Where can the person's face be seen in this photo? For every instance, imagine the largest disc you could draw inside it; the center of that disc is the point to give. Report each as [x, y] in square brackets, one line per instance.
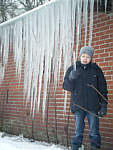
[85, 58]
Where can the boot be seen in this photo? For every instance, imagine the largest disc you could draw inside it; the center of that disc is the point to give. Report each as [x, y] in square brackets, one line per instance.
[75, 147]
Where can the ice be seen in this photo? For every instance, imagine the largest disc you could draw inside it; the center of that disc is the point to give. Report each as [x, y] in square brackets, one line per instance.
[91, 21]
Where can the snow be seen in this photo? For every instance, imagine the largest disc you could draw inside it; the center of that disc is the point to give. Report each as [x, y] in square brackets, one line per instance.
[12, 142]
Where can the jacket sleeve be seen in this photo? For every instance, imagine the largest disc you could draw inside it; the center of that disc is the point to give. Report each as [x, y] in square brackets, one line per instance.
[102, 87]
[67, 84]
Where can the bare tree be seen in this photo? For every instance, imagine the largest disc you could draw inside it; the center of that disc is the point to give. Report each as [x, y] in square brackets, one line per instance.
[12, 8]
[30, 4]
[7, 10]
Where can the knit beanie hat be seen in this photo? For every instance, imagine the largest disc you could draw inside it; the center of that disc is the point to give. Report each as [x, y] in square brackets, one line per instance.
[87, 50]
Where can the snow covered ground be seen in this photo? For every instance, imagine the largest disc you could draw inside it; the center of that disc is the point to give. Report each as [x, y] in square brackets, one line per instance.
[11, 142]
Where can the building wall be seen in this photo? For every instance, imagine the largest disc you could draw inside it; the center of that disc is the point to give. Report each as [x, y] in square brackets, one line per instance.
[58, 127]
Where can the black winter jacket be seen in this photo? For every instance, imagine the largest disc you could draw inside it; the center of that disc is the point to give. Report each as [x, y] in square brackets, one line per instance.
[82, 94]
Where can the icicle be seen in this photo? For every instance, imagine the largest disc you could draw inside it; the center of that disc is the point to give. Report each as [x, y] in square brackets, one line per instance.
[17, 46]
[105, 5]
[65, 101]
[46, 56]
[78, 23]
[85, 17]
[91, 20]
[40, 50]
[4, 39]
[35, 64]
[69, 18]
[2, 70]
[97, 6]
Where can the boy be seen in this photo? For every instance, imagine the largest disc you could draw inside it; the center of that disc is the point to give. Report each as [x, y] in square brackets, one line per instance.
[83, 83]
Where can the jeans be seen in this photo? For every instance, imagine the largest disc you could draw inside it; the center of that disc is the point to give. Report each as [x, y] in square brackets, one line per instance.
[94, 135]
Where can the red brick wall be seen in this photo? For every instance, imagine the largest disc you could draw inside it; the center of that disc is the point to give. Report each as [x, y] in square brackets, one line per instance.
[58, 127]
[103, 31]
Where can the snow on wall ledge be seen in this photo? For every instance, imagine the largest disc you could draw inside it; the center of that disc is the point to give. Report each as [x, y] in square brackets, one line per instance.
[41, 37]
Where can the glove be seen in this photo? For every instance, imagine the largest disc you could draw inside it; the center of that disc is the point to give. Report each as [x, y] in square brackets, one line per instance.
[103, 111]
[74, 75]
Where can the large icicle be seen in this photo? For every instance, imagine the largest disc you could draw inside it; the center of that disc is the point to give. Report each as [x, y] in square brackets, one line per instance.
[85, 17]
[4, 49]
[78, 24]
[105, 5]
[91, 20]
